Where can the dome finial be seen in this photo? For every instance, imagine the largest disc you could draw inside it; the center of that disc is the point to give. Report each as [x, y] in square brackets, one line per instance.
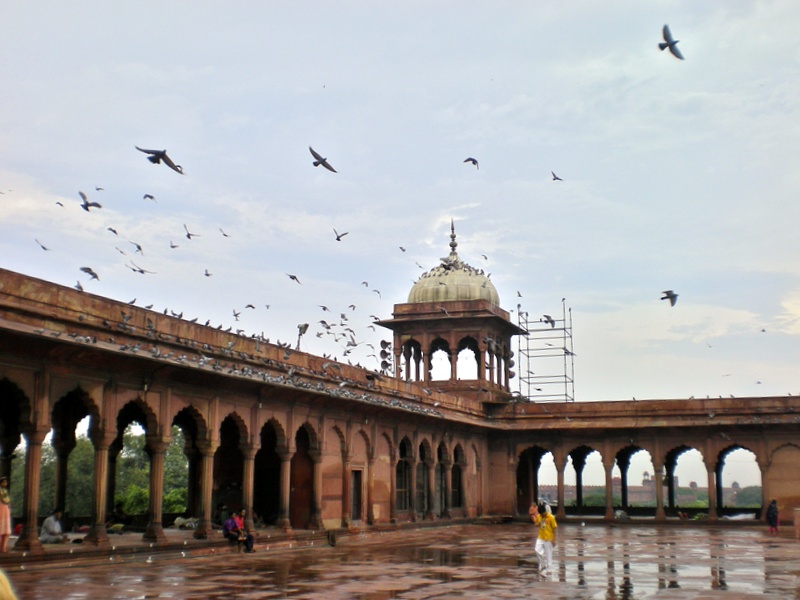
[453, 243]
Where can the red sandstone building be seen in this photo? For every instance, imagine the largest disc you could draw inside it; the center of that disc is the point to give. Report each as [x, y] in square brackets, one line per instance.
[322, 444]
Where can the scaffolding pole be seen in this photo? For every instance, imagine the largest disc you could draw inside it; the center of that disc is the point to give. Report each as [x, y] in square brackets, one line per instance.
[546, 357]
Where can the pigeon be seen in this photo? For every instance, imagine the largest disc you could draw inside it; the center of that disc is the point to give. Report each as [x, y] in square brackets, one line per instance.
[223, 233]
[190, 235]
[293, 278]
[671, 296]
[112, 230]
[473, 161]
[90, 272]
[171, 245]
[670, 43]
[555, 177]
[550, 320]
[78, 286]
[156, 156]
[149, 197]
[86, 205]
[338, 235]
[41, 245]
[319, 160]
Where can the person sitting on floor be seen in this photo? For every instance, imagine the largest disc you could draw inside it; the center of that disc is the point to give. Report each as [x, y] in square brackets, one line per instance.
[51, 529]
[234, 529]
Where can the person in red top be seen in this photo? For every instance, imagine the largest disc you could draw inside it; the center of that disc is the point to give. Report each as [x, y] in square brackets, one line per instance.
[234, 529]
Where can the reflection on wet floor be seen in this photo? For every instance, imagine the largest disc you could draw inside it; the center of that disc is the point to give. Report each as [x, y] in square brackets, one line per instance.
[475, 561]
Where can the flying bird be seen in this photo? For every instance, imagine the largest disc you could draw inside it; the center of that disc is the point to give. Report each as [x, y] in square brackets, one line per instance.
[156, 156]
[671, 296]
[190, 235]
[555, 177]
[90, 272]
[319, 160]
[670, 43]
[137, 269]
[550, 320]
[171, 245]
[41, 245]
[138, 248]
[98, 189]
[207, 274]
[86, 205]
[473, 161]
[223, 233]
[293, 278]
[149, 197]
[338, 235]
[112, 230]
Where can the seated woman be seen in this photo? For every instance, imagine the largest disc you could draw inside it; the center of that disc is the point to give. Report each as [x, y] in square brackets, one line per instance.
[234, 529]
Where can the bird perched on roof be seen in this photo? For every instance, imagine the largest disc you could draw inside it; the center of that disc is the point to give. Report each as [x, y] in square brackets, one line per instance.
[86, 205]
[670, 43]
[319, 160]
[671, 296]
[156, 156]
[473, 161]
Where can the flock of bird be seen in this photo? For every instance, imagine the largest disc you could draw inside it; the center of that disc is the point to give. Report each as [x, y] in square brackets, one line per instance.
[341, 329]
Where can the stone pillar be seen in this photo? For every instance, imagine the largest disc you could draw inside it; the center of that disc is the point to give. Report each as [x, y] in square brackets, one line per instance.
[561, 512]
[62, 448]
[429, 514]
[370, 489]
[346, 493]
[206, 451]
[712, 493]
[609, 469]
[156, 448]
[248, 469]
[448, 489]
[102, 440]
[412, 487]
[579, 463]
[29, 538]
[658, 477]
[316, 508]
[111, 473]
[393, 489]
[766, 495]
[285, 492]
[624, 464]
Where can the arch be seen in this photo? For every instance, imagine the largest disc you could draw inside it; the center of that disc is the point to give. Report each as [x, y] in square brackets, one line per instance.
[457, 471]
[781, 481]
[15, 417]
[577, 459]
[440, 360]
[301, 499]
[383, 465]
[529, 488]
[735, 496]
[229, 463]
[403, 475]
[411, 352]
[684, 495]
[193, 428]
[267, 473]
[628, 491]
[468, 358]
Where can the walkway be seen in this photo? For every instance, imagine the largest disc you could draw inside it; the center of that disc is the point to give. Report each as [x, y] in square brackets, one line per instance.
[473, 561]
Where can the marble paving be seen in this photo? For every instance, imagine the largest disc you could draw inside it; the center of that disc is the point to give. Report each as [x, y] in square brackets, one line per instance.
[464, 561]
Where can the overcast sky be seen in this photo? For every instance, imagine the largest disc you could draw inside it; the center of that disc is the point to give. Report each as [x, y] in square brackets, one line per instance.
[676, 174]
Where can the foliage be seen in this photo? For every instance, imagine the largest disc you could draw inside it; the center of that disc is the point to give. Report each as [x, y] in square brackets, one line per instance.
[748, 497]
[132, 477]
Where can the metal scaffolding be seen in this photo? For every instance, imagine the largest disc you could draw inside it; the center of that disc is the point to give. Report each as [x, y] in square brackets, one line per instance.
[546, 357]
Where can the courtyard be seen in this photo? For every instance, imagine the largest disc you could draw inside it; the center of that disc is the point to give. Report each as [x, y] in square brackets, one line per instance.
[595, 560]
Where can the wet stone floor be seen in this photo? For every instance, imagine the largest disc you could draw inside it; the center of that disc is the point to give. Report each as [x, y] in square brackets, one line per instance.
[464, 561]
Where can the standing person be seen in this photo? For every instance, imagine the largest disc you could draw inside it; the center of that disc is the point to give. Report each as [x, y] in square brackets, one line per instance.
[51, 529]
[5, 514]
[547, 535]
[772, 517]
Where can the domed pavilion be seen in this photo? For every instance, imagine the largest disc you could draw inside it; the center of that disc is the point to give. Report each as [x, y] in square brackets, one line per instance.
[453, 316]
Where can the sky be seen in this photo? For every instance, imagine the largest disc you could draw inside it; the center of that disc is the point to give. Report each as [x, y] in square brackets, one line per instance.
[675, 174]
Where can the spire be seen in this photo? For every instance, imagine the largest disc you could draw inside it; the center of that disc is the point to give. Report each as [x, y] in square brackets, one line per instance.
[453, 243]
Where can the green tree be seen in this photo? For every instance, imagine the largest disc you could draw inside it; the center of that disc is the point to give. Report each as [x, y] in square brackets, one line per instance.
[748, 497]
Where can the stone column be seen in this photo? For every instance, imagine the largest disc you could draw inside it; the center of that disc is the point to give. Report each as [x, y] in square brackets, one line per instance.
[248, 469]
[624, 464]
[285, 493]
[766, 493]
[370, 489]
[412, 487]
[429, 514]
[154, 532]
[393, 489]
[316, 508]
[29, 538]
[609, 468]
[579, 463]
[206, 451]
[98, 536]
[561, 512]
[62, 448]
[111, 473]
[658, 477]
[346, 493]
[712, 493]
[448, 489]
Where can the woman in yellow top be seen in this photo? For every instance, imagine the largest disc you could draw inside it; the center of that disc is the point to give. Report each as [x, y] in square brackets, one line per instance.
[543, 517]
